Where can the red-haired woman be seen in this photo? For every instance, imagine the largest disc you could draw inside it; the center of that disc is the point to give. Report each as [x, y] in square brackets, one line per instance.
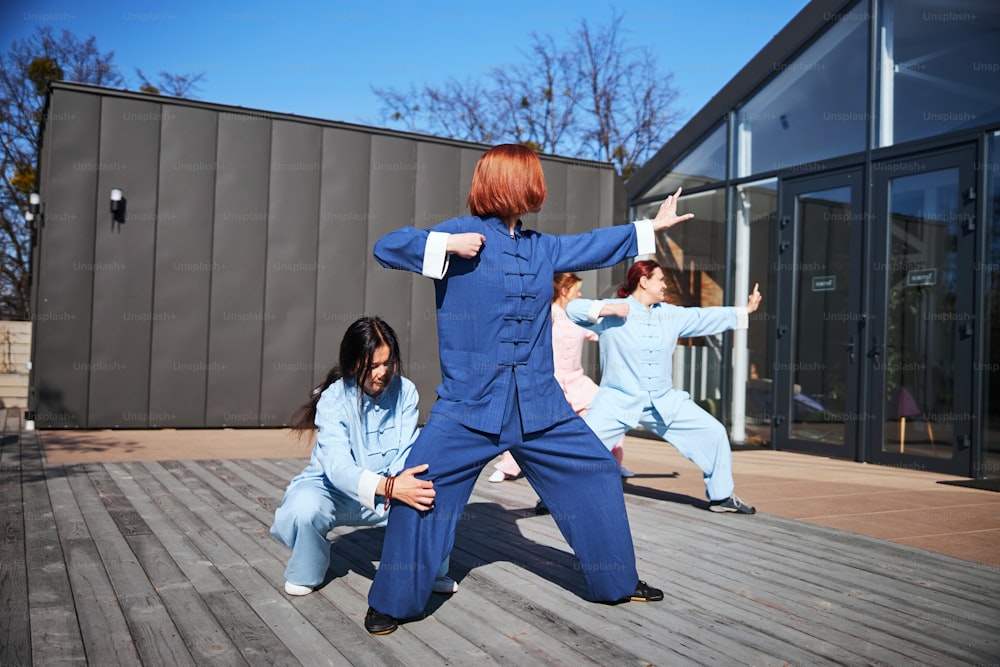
[493, 286]
[638, 333]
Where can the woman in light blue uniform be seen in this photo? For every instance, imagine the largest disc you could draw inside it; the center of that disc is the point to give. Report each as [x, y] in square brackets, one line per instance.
[366, 416]
[638, 333]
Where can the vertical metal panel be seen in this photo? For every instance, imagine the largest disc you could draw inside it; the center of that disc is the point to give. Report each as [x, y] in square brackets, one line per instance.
[344, 250]
[239, 244]
[290, 292]
[63, 281]
[436, 200]
[179, 356]
[551, 219]
[390, 205]
[583, 199]
[123, 265]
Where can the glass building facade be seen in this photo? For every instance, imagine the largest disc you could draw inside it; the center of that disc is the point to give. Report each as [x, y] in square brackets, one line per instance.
[851, 169]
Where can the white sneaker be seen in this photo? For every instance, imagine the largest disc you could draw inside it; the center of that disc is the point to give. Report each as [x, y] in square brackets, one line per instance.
[498, 476]
[295, 589]
[445, 585]
[625, 472]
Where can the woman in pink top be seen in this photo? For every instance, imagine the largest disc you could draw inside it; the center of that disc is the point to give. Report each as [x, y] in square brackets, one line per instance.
[567, 351]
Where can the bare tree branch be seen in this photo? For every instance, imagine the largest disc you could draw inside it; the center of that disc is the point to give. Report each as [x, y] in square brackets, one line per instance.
[596, 98]
[26, 70]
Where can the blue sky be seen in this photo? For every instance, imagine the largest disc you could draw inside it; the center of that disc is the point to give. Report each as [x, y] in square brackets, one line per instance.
[320, 59]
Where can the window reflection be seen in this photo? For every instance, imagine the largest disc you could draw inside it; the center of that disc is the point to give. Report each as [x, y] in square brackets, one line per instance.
[939, 68]
[814, 109]
[755, 216]
[705, 164]
[990, 464]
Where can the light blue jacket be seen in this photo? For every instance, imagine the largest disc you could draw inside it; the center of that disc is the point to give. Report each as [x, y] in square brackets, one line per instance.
[361, 439]
[493, 311]
[637, 351]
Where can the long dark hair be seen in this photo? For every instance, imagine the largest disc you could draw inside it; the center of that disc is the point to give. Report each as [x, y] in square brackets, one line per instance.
[641, 269]
[362, 338]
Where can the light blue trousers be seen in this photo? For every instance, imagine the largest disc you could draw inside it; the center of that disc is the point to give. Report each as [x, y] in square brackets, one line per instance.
[696, 434]
[310, 510]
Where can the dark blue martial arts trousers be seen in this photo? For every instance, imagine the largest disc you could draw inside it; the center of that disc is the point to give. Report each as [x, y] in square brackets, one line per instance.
[573, 472]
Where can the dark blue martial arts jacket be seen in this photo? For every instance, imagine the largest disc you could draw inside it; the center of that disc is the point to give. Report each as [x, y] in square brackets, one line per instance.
[493, 311]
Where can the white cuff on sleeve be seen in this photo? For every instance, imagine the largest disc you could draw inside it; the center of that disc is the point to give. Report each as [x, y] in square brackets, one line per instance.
[436, 255]
[594, 312]
[645, 237]
[367, 486]
[742, 317]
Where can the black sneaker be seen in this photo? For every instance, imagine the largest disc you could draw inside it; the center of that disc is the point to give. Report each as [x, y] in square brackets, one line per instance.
[645, 593]
[377, 623]
[731, 504]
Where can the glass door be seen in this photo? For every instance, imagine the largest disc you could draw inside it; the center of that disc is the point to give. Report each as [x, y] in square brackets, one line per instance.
[920, 348]
[820, 319]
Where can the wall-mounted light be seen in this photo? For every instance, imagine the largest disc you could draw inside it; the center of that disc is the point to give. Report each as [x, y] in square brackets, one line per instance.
[34, 203]
[116, 200]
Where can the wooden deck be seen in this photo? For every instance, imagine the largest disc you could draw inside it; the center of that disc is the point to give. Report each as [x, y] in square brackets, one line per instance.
[171, 563]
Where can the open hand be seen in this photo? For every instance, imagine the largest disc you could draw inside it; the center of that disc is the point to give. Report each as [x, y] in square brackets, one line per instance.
[417, 493]
[667, 215]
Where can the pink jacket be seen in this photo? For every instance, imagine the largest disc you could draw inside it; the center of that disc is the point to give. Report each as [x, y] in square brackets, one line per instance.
[567, 351]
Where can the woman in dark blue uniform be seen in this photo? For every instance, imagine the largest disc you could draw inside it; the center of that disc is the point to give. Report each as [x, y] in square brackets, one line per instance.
[493, 284]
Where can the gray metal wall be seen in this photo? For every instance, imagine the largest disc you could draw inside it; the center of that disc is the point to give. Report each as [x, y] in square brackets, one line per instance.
[244, 253]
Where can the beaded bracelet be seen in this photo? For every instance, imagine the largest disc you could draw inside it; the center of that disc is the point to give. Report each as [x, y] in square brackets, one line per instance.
[389, 483]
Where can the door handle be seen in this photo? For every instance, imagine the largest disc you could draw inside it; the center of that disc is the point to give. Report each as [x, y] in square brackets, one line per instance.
[876, 352]
[849, 348]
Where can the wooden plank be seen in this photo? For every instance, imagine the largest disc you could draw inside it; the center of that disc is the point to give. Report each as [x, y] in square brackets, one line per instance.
[156, 637]
[201, 633]
[190, 542]
[55, 632]
[740, 590]
[15, 647]
[207, 642]
[118, 507]
[257, 643]
[887, 614]
[252, 517]
[812, 634]
[559, 591]
[304, 641]
[896, 598]
[106, 637]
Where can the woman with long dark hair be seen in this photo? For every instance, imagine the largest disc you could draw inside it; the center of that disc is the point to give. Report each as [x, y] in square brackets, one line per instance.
[365, 414]
[638, 332]
[493, 287]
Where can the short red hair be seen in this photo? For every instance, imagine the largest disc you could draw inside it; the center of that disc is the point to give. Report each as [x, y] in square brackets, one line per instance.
[508, 181]
[641, 269]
